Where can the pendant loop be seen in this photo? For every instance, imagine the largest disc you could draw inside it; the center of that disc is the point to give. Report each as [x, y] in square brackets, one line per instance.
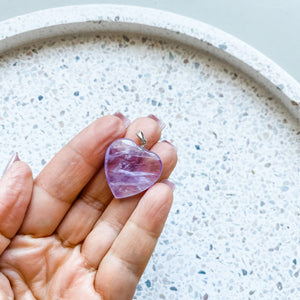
[141, 136]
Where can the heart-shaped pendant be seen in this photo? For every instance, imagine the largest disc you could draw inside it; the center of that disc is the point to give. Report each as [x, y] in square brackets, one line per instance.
[129, 168]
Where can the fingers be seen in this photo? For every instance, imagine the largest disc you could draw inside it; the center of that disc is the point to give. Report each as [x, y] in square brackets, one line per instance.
[15, 194]
[118, 211]
[96, 195]
[67, 173]
[122, 267]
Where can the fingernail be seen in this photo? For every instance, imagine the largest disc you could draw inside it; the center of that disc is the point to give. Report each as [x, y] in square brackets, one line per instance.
[125, 120]
[165, 141]
[162, 124]
[169, 183]
[14, 158]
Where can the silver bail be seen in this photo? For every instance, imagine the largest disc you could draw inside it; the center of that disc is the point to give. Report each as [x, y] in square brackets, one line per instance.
[141, 136]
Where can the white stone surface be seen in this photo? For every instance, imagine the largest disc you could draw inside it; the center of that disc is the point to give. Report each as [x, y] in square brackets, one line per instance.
[233, 232]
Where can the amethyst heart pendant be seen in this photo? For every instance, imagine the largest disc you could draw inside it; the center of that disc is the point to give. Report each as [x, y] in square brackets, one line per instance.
[131, 169]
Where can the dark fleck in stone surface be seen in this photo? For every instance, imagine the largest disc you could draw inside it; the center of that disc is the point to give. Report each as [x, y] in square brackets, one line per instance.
[125, 38]
[148, 283]
[223, 47]
[279, 285]
[284, 188]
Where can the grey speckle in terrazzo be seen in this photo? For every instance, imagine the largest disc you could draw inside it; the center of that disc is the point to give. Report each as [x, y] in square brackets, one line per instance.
[233, 232]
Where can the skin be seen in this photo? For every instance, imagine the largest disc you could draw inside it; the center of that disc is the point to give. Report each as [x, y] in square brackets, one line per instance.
[64, 236]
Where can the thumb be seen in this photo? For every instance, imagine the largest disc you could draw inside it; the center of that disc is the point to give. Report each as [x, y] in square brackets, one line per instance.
[15, 194]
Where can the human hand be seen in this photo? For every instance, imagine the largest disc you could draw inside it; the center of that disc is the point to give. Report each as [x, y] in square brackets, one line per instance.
[76, 241]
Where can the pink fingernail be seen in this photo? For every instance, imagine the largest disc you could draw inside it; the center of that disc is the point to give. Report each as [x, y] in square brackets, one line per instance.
[165, 141]
[162, 124]
[125, 120]
[169, 183]
[14, 158]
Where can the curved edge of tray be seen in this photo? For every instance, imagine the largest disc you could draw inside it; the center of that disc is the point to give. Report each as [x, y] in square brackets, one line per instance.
[91, 18]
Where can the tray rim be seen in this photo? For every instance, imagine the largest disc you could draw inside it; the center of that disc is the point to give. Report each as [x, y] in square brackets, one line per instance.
[65, 20]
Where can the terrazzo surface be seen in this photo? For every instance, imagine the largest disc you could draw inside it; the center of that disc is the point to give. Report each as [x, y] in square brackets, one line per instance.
[233, 231]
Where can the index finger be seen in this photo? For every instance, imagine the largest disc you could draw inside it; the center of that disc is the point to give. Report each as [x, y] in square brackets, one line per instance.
[59, 183]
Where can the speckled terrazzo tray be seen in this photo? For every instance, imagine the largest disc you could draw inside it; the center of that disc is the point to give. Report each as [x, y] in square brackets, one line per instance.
[233, 232]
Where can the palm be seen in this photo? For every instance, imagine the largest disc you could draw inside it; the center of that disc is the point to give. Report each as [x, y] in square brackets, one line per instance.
[42, 268]
[76, 241]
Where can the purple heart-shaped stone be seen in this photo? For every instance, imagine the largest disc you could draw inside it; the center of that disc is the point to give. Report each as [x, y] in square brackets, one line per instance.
[130, 169]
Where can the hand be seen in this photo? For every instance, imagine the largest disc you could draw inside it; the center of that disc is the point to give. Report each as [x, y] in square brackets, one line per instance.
[76, 241]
